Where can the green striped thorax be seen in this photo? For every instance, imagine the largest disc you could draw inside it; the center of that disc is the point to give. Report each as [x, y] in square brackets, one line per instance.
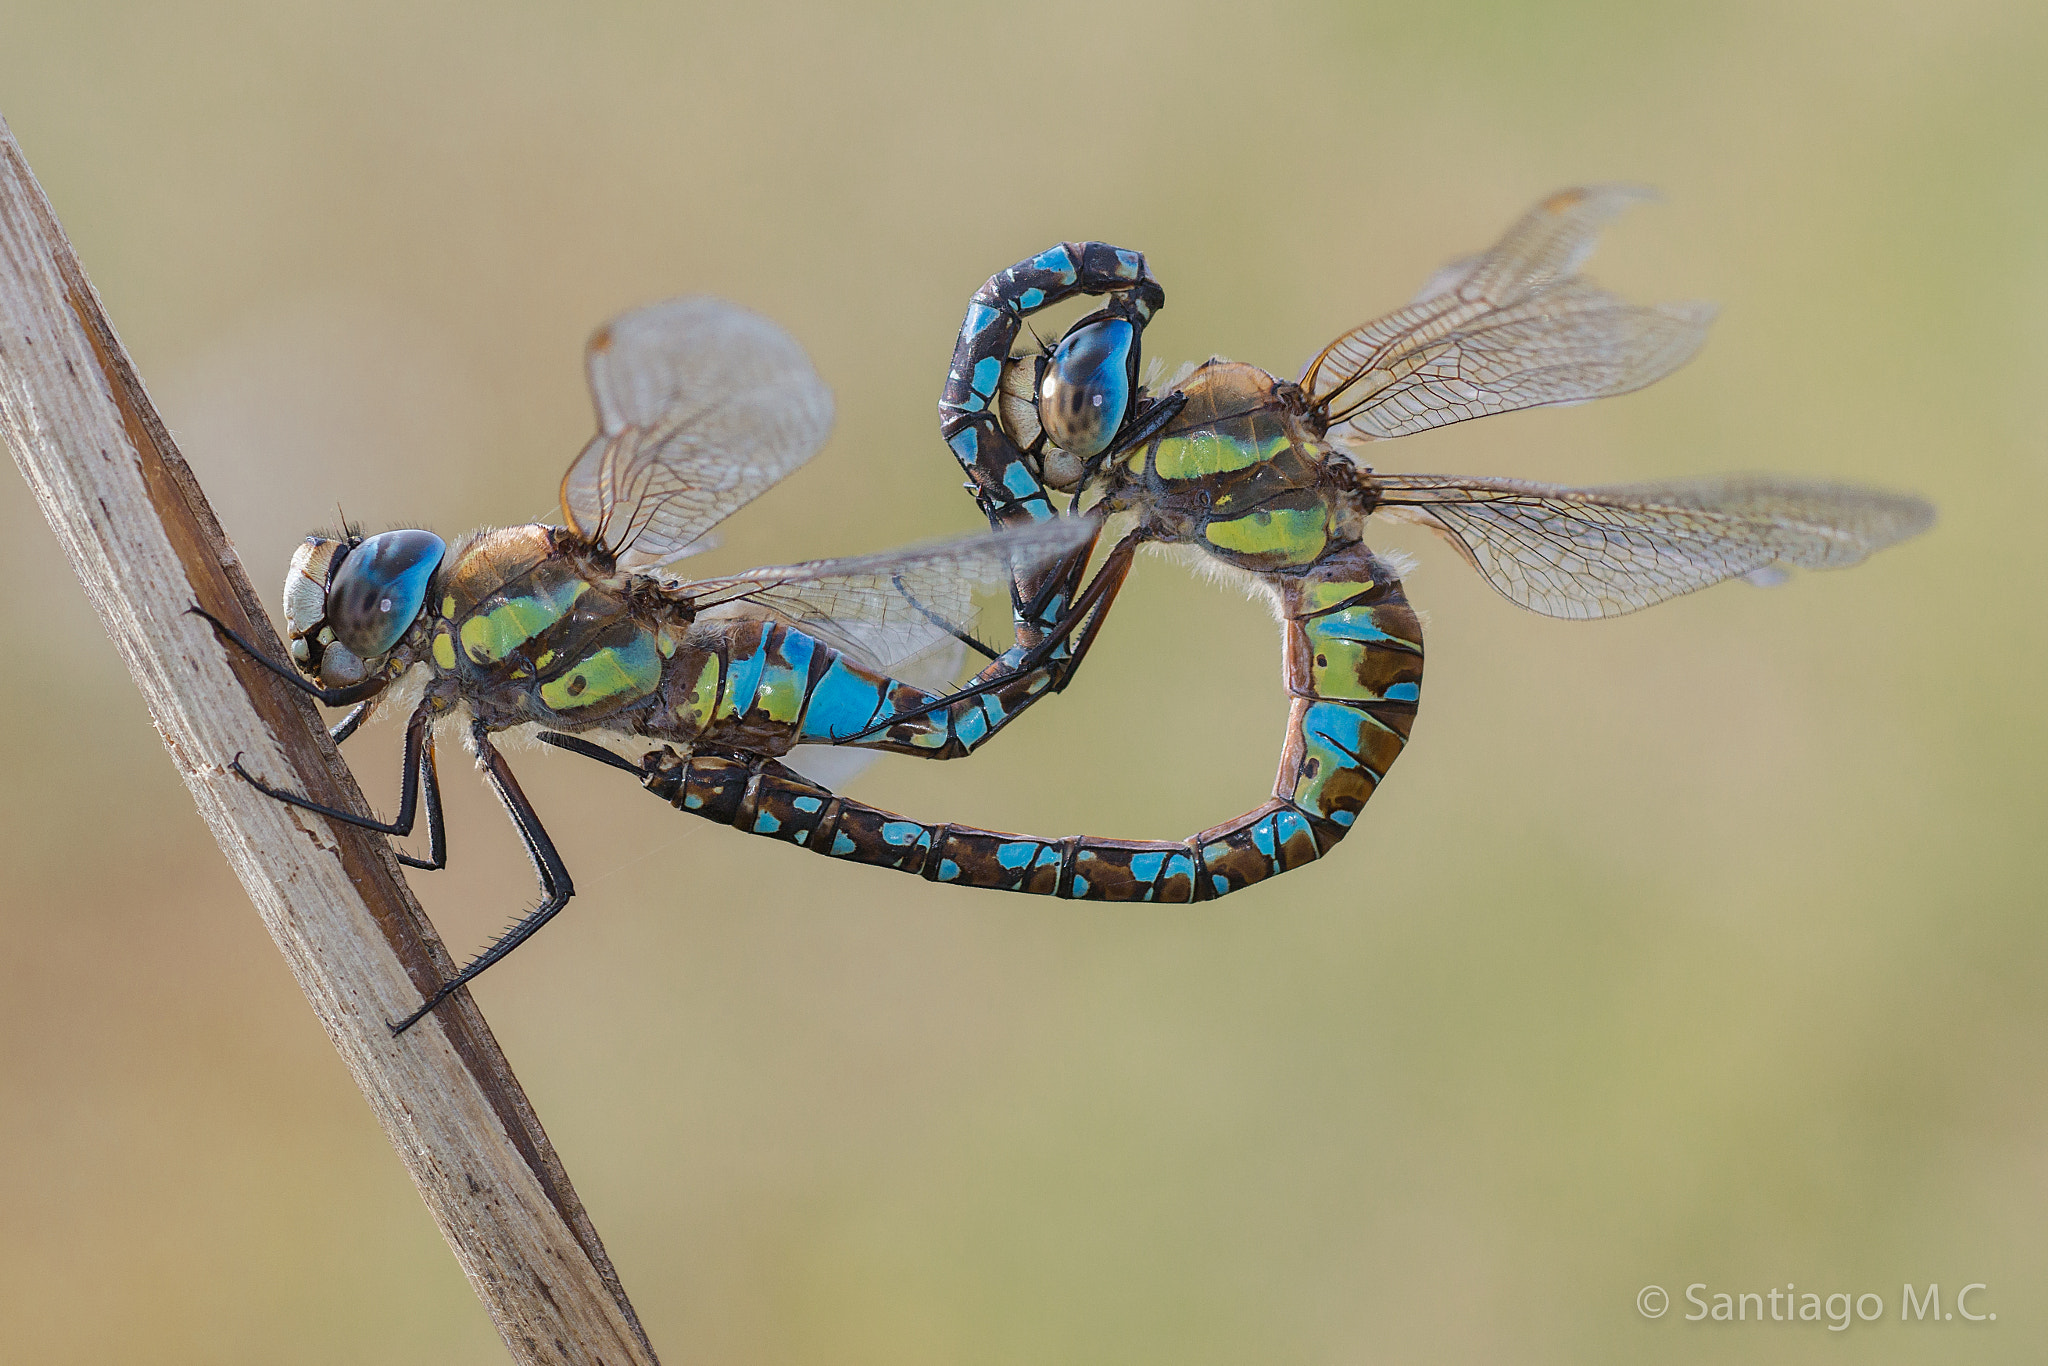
[1243, 471]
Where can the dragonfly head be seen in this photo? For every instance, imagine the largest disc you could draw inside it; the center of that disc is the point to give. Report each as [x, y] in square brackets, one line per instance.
[348, 602]
[1086, 389]
[1071, 404]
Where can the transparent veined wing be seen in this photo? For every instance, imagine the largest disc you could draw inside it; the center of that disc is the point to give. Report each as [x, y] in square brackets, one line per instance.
[890, 607]
[701, 407]
[1601, 552]
[1511, 328]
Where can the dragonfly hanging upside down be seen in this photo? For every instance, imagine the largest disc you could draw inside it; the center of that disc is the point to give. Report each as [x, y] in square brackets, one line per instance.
[572, 633]
[1255, 473]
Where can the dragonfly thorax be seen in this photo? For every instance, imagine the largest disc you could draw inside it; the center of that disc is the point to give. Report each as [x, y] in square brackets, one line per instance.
[528, 624]
[1242, 471]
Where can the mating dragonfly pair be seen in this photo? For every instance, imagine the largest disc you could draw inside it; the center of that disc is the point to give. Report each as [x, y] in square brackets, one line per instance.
[579, 635]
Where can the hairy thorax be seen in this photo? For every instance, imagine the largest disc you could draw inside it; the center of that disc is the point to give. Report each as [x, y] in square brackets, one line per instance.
[525, 624]
[1243, 472]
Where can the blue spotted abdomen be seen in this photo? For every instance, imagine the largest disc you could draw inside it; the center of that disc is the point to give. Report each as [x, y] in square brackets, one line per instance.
[1354, 668]
[762, 686]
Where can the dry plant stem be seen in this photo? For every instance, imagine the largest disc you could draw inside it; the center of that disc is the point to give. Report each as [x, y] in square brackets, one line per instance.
[146, 546]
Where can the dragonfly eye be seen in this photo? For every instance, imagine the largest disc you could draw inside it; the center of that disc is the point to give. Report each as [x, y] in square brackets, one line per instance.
[1086, 389]
[380, 588]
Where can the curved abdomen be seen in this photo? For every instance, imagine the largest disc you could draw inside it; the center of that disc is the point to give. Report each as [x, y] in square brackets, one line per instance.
[1353, 665]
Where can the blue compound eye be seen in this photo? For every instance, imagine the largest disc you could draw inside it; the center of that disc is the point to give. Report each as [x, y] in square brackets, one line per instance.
[1086, 388]
[380, 588]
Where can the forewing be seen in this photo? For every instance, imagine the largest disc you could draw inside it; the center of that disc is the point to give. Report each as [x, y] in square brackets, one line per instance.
[1508, 329]
[889, 607]
[1601, 552]
[701, 406]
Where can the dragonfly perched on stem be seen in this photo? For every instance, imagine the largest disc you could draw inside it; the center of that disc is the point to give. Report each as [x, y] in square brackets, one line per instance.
[1262, 477]
[577, 635]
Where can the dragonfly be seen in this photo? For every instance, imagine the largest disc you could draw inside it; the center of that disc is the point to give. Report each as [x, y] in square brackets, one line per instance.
[580, 636]
[1264, 478]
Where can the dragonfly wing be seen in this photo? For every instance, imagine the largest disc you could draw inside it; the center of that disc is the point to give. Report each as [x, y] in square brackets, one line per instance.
[891, 607]
[701, 407]
[1573, 343]
[830, 766]
[1549, 243]
[1511, 328]
[1601, 552]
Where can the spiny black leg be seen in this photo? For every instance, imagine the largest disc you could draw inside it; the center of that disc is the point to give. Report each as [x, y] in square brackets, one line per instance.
[587, 750]
[935, 619]
[348, 725]
[418, 740]
[555, 886]
[437, 834]
[1114, 571]
[1059, 581]
[333, 697]
[1143, 426]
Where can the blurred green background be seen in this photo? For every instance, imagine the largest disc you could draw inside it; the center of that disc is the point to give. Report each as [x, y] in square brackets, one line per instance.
[1700, 946]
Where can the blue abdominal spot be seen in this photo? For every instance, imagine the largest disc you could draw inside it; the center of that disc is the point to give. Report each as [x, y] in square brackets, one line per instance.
[979, 316]
[842, 704]
[1056, 262]
[1019, 480]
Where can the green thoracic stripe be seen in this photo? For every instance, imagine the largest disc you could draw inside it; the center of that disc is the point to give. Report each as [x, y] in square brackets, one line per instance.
[1205, 452]
[488, 637]
[1298, 534]
[607, 677]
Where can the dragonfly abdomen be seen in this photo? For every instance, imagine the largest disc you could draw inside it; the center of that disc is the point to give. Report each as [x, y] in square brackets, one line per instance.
[1354, 665]
[762, 685]
[762, 797]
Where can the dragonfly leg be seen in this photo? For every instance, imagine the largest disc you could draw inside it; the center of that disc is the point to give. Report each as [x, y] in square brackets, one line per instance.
[437, 833]
[967, 638]
[586, 749]
[332, 697]
[1020, 676]
[348, 725]
[417, 772]
[555, 885]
